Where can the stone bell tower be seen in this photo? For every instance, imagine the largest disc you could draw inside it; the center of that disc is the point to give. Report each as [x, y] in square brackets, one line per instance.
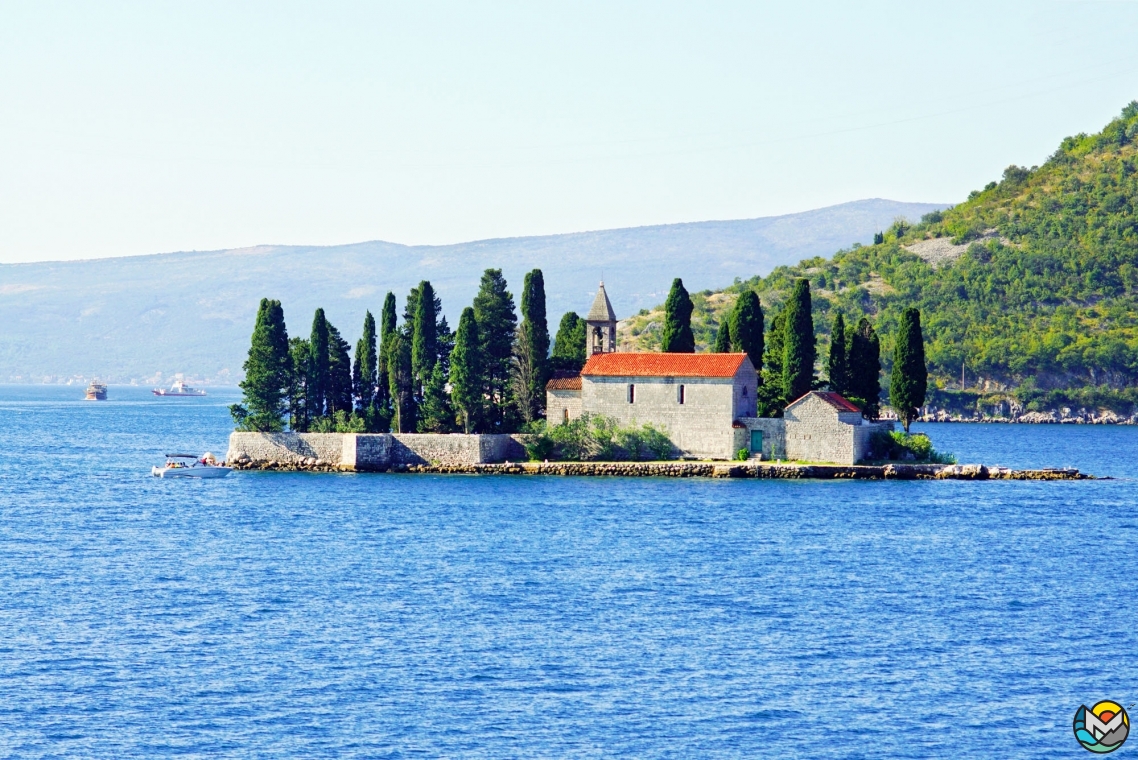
[601, 323]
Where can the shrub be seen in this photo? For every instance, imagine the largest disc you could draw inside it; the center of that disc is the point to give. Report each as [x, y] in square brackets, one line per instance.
[539, 447]
[340, 422]
[901, 446]
[596, 437]
[741, 455]
[657, 442]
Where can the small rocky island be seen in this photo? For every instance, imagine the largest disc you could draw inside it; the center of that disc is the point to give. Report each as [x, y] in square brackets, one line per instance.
[751, 408]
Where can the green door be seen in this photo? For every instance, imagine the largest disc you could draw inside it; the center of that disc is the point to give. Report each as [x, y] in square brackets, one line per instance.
[756, 442]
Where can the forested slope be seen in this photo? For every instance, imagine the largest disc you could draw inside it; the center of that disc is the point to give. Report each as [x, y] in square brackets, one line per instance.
[1031, 284]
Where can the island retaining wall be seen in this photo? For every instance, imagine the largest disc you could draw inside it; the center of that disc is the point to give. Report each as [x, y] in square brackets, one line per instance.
[369, 451]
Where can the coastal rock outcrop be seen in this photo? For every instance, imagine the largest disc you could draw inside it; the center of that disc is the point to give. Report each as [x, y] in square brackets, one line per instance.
[1060, 416]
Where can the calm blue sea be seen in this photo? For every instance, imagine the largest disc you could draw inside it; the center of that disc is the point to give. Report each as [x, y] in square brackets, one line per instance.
[351, 616]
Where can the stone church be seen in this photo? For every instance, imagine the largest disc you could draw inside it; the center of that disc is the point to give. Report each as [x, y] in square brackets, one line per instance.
[705, 402]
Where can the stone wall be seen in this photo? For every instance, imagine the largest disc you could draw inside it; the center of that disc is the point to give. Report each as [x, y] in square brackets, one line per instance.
[365, 452]
[562, 404]
[503, 448]
[380, 451]
[774, 436]
[864, 432]
[429, 448]
[287, 448]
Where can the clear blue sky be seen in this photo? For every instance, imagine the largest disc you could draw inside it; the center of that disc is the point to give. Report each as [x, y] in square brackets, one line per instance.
[142, 127]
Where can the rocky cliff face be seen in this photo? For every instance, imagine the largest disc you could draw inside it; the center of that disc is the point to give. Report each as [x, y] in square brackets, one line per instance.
[1061, 416]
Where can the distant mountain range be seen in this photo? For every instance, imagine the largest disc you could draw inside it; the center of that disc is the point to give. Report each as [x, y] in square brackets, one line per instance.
[130, 318]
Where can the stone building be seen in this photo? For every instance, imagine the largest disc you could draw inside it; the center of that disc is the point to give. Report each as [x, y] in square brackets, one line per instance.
[562, 399]
[821, 426]
[706, 403]
[695, 398]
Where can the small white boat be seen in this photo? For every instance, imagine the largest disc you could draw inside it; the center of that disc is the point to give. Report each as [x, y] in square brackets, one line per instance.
[178, 389]
[190, 466]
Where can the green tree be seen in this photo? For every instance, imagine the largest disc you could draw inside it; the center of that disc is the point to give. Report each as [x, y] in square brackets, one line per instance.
[865, 369]
[838, 369]
[523, 370]
[266, 382]
[746, 329]
[365, 367]
[300, 361]
[677, 336]
[338, 397]
[536, 347]
[466, 372]
[723, 336]
[435, 413]
[400, 381]
[799, 348]
[387, 328]
[569, 345]
[908, 381]
[318, 377]
[772, 393]
[494, 312]
[424, 345]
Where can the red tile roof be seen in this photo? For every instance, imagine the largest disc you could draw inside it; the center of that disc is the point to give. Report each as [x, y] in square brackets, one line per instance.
[664, 365]
[570, 383]
[836, 400]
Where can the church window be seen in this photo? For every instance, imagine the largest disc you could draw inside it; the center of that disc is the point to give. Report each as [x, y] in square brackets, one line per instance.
[565, 416]
[680, 395]
[744, 391]
[632, 394]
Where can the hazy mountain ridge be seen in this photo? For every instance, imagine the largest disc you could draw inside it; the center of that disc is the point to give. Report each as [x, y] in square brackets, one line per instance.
[192, 312]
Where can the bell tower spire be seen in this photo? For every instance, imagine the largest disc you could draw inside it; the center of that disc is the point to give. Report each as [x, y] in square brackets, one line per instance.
[601, 323]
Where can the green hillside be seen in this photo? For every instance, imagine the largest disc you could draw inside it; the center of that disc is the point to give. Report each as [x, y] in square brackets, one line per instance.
[1032, 282]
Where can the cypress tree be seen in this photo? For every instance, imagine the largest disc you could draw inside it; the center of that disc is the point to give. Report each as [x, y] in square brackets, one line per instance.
[865, 369]
[435, 413]
[444, 339]
[799, 350]
[318, 379]
[569, 346]
[723, 336]
[494, 313]
[908, 381]
[537, 337]
[466, 372]
[424, 345]
[772, 392]
[838, 367]
[365, 368]
[266, 382]
[356, 379]
[410, 309]
[386, 330]
[747, 328]
[400, 380]
[677, 337]
[338, 396]
[300, 360]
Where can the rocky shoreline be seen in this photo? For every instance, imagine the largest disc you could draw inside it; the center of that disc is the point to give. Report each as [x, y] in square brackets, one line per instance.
[755, 470]
[1064, 416]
